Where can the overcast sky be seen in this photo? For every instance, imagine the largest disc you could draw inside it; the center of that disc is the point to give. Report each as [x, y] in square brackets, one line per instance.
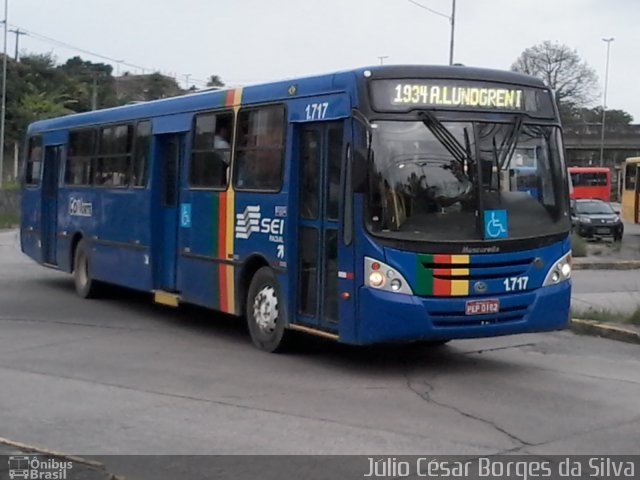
[249, 41]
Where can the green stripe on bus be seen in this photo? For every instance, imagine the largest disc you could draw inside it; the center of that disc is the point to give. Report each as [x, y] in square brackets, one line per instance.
[424, 275]
[215, 212]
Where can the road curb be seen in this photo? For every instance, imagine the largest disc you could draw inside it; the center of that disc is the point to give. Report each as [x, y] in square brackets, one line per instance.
[613, 332]
[619, 265]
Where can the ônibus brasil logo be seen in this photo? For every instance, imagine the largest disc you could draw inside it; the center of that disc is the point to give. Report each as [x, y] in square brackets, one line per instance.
[38, 468]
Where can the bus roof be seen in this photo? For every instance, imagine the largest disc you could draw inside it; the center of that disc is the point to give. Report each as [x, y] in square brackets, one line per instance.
[632, 160]
[304, 86]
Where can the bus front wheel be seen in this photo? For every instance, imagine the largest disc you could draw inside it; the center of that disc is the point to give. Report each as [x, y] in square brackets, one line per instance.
[266, 312]
[86, 287]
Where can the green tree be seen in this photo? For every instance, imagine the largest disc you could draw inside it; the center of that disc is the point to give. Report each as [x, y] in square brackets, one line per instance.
[89, 82]
[41, 105]
[159, 86]
[34, 75]
[215, 81]
[594, 115]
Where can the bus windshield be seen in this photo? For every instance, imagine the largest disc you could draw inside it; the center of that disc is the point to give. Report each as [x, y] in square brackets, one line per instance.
[433, 181]
[589, 179]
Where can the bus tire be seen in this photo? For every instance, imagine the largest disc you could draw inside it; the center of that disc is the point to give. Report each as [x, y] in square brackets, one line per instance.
[266, 312]
[86, 287]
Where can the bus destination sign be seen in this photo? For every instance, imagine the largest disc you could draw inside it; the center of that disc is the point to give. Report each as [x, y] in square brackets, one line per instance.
[404, 95]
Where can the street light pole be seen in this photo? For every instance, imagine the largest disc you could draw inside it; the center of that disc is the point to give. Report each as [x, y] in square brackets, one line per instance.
[452, 21]
[604, 98]
[4, 89]
[382, 58]
[453, 26]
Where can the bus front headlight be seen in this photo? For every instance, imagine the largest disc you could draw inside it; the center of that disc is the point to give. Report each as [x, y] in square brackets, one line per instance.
[381, 276]
[559, 272]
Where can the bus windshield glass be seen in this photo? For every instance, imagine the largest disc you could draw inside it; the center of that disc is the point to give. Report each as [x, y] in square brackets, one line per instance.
[587, 179]
[436, 181]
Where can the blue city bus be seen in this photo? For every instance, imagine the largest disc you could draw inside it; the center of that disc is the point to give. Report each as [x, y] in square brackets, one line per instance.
[365, 206]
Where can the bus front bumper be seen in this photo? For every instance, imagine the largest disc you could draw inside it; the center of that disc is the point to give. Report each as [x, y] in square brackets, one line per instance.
[390, 317]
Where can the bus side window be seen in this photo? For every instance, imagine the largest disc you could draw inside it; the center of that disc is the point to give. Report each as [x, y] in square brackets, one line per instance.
[142, 148]
[333, 175]
[33, 165]
[114, 156]
[259, 149]
[77, 170]
[211, 152]
[630, 177]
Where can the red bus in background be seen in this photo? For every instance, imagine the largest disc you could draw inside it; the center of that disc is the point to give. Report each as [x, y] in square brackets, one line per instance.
[591, 182]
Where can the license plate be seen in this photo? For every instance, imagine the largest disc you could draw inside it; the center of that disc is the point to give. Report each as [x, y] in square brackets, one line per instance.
[482, 307]
[604, 231]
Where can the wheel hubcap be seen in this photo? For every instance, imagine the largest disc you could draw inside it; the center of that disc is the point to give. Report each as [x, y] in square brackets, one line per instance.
[265, 309]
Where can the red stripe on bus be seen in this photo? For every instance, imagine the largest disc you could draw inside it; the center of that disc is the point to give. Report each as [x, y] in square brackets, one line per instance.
[441, 272]
[442, 259]
[441, 288]
[229, 100]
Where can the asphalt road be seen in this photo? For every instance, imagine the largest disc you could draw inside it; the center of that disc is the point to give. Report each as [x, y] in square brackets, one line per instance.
[122, 376]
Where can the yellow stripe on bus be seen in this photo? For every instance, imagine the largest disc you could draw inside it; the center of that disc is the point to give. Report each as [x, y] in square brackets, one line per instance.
[460, 259]
[231, 297]
[459, 288]
[237, 96]
[231, 223]
[459, 272]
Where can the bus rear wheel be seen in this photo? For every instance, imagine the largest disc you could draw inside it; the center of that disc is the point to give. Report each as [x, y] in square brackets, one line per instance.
[266, 312]
[86, 287]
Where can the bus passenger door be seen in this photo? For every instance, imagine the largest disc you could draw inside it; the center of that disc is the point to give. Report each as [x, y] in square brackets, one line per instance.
[169, 152]
[50, 178]
[319, 242]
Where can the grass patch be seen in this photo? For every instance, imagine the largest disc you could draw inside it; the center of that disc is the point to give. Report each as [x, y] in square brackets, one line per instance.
[634, 318]
[10, 186]
[607, 316]
[578, 246]
[8, 220]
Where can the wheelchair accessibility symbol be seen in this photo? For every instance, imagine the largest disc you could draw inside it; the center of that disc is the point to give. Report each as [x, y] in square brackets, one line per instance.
[495, 224]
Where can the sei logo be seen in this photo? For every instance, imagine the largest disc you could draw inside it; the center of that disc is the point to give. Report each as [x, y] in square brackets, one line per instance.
[251, 221]
[274, 227]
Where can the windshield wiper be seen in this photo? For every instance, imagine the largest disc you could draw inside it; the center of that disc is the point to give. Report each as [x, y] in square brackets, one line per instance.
[510, 142]
[498, 168]
[507, 147]
[445, 137]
